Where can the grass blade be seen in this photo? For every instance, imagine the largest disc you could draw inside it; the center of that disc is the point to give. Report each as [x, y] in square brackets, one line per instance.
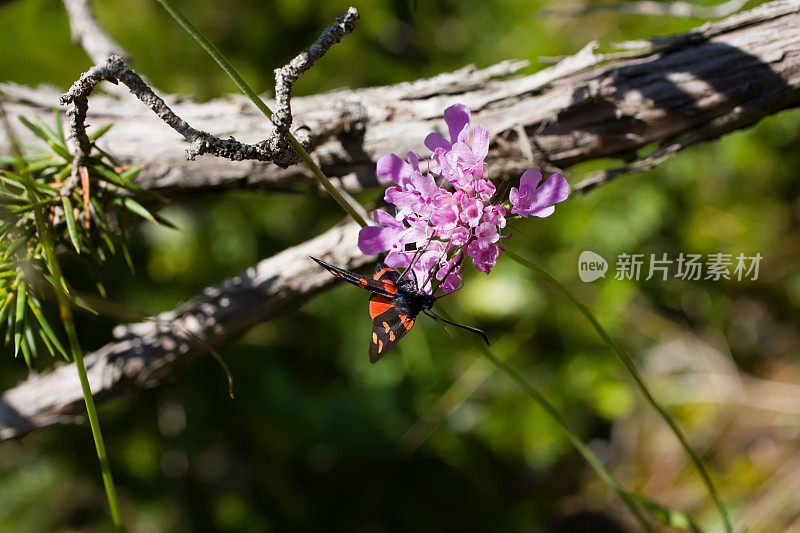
[72, 224]
[100, 131]
[47, 331]
[668, 517]
[597, 465]
[4, 307]
[34, 128]
[130, 173]
[77, 354]
[52, 136]
[28, 346]
[19, 316]
[136, 208]
[60, 150]
[634, 373]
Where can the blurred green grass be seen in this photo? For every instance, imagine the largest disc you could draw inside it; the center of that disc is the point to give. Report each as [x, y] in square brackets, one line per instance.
[311, 440]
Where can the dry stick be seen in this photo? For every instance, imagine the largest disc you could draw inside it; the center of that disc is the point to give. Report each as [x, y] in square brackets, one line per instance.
[343, 26]
[115, 69]
[288, 74]
[280, 148]
[143, 354]
[767, 33]
[669, 147]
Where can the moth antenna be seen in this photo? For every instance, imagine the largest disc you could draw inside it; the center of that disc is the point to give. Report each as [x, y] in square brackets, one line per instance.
[452, 267]
[414, 258]
[468, 328]
[460, 286]
[430, 273]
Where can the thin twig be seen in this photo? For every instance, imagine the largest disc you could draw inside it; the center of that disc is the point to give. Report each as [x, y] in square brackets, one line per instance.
[274, 149]
[115, 69]
[600, 177]
[288, 74]
[300, 150]
[280, 148]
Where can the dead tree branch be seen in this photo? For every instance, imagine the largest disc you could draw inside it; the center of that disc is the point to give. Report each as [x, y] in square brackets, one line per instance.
[275, 148]
[718, 78]
[675, 93]
[286, 76]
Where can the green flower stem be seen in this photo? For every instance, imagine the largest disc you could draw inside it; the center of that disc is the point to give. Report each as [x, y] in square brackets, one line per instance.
[584, 450]
[631, 499]
[548, 408]
[631, 368]
[77, 354]
[232, 73]
[326, 183]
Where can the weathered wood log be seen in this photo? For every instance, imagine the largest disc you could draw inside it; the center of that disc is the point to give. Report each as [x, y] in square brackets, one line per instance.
[674, 92]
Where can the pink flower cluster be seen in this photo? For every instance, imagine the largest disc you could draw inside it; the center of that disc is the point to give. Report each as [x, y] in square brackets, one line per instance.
[447, 211]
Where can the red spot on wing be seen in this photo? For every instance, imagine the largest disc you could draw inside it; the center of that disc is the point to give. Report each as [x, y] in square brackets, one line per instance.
[407, 322]
[390, 287]
[378, 304]
[382, 272]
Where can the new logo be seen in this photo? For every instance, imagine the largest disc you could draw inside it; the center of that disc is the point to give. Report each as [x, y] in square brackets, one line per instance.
[591, 266]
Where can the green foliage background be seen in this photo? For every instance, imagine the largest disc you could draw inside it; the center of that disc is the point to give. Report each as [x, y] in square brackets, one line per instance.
[316, 436]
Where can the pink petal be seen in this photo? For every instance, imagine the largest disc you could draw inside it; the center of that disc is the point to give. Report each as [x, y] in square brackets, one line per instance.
[554, 190]
[434, 141]
[463, 153]
[424, 184]
[480, 142]
[400, 197]
[457, 118]
[376, 239]
[529, 180]
[413, 160]
[385, 219]
[398, 259]
[543, 212]
[391, 167]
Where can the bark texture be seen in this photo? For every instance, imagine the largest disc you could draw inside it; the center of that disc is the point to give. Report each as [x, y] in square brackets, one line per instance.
[674, 92]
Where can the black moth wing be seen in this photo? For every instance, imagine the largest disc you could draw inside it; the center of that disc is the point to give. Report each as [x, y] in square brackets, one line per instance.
[385, 273]
[388, 327]
[389, 322]
[384, 287]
